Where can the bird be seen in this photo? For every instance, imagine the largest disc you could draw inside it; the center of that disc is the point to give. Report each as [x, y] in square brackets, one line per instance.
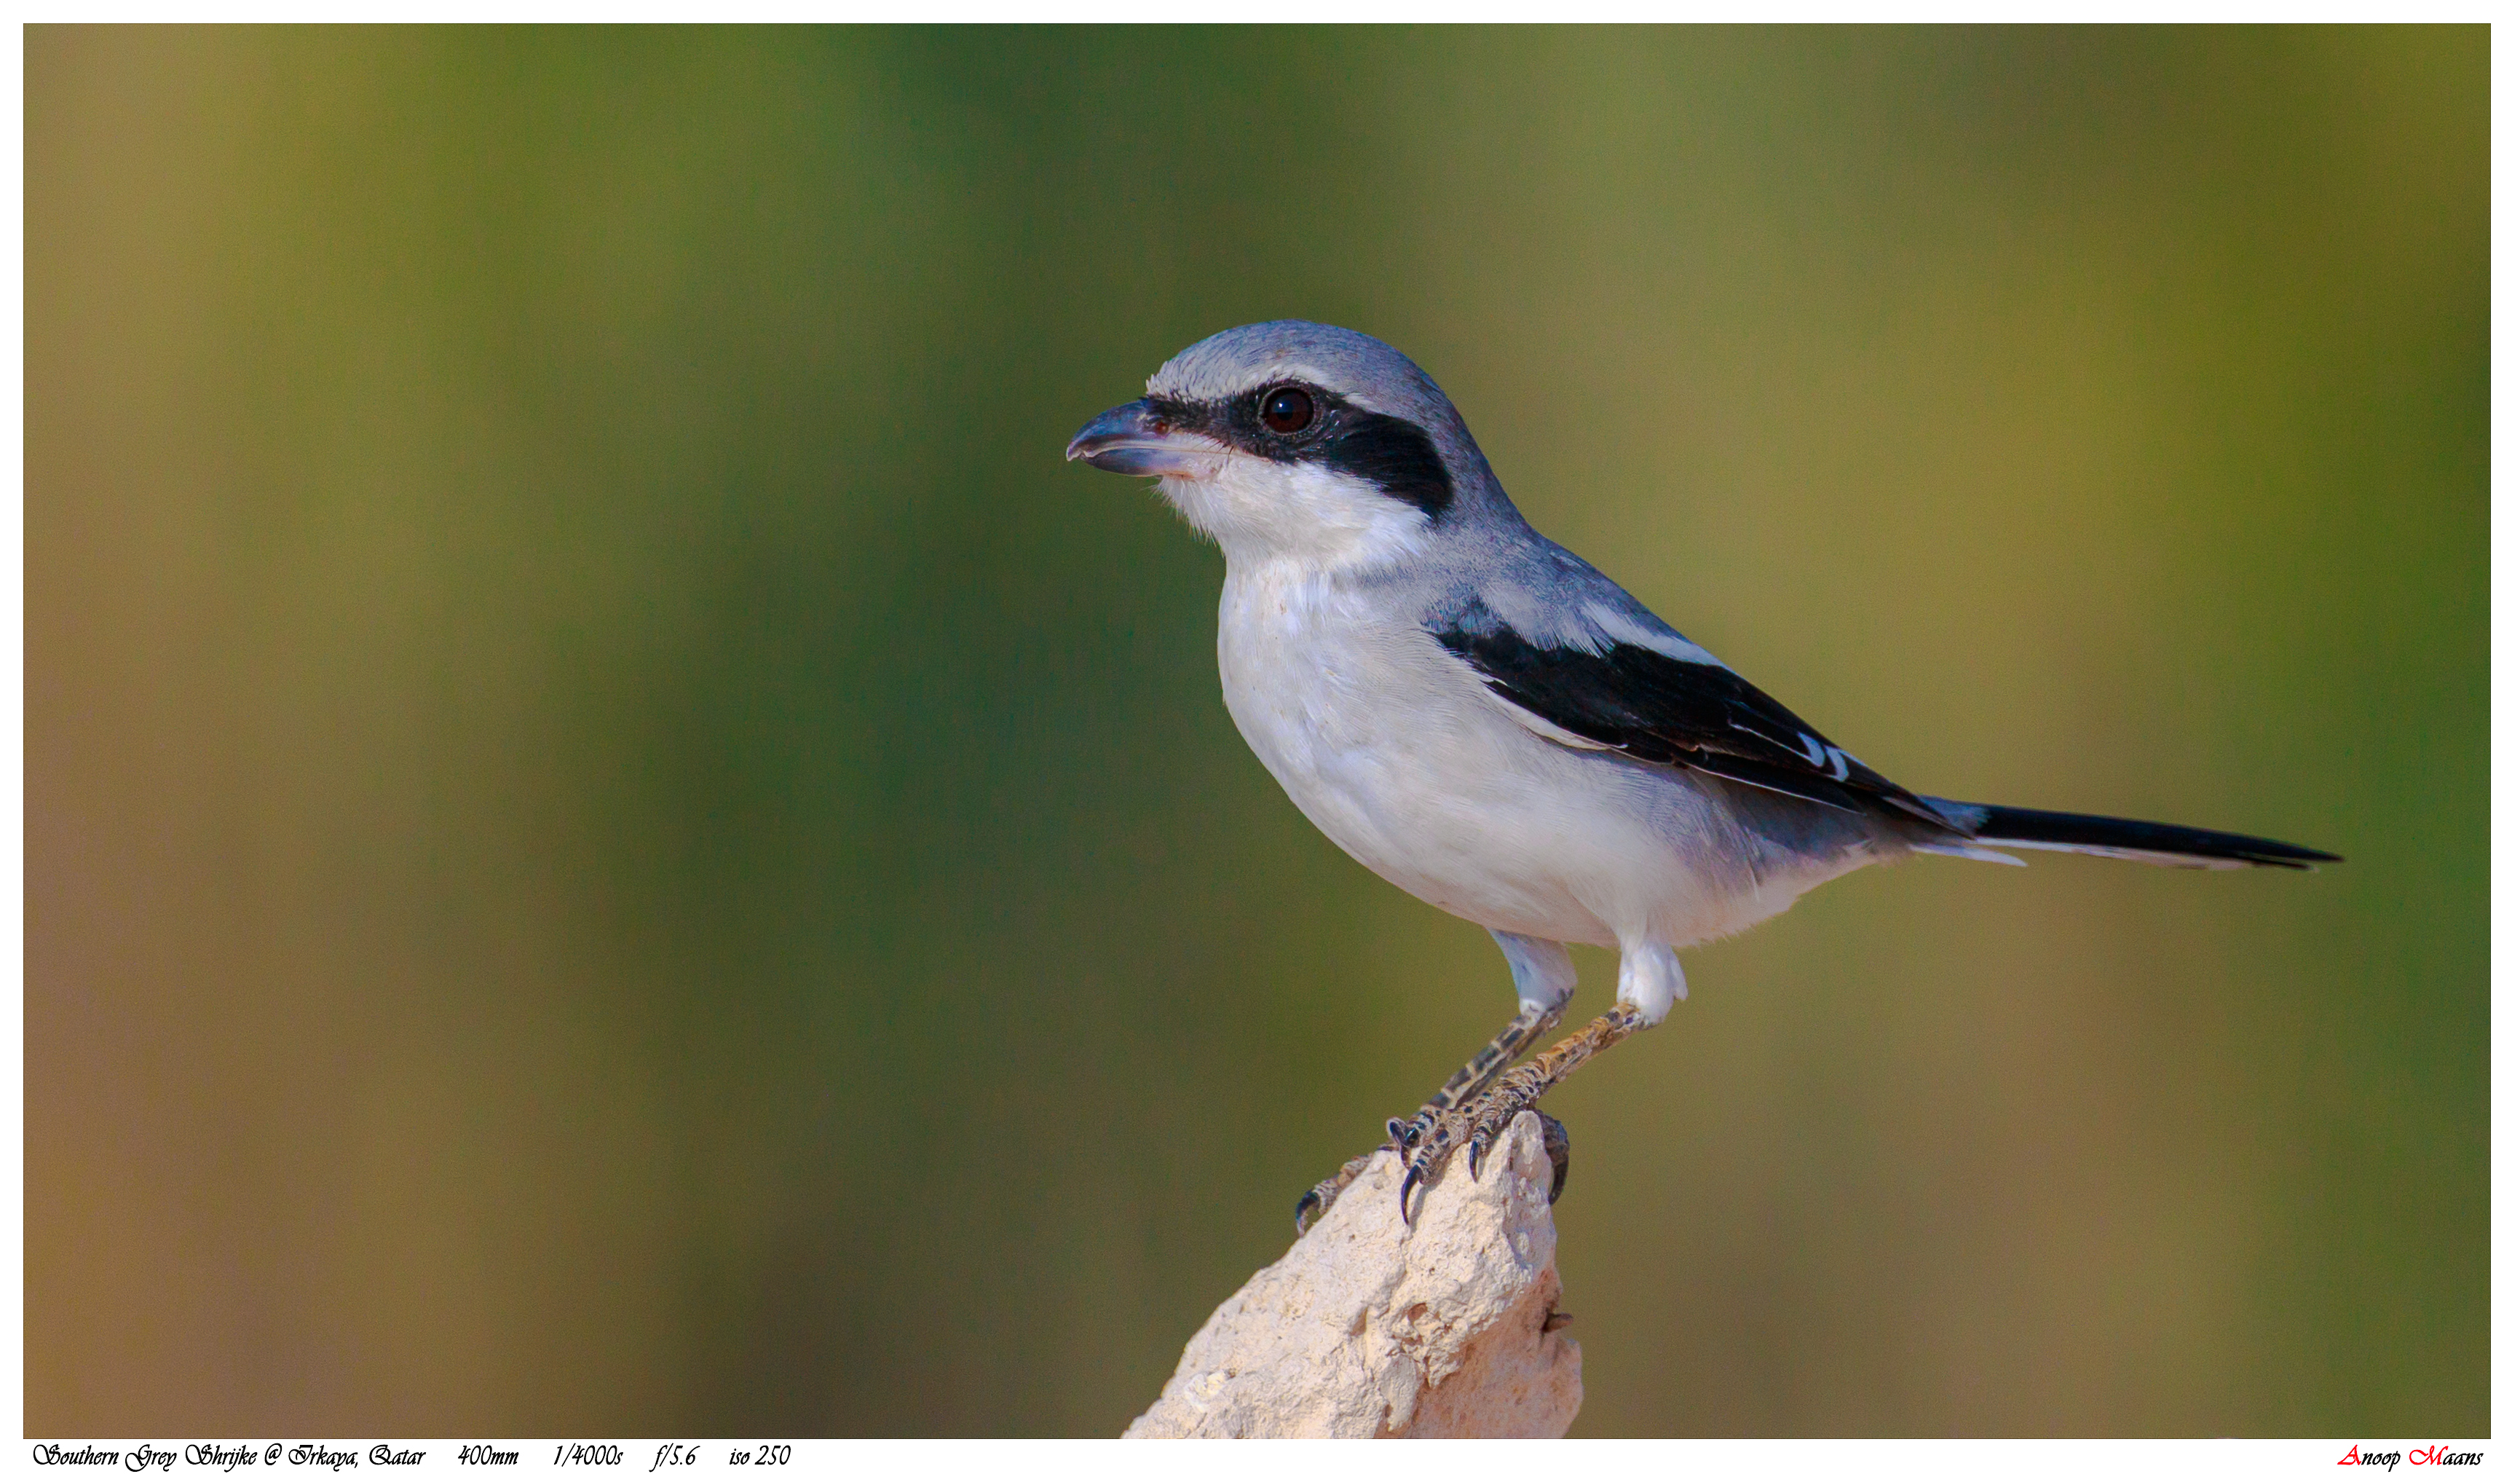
[1492, 724]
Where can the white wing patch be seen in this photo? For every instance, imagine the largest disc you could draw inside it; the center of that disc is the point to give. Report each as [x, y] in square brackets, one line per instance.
[1822, 755]
[1627, 631]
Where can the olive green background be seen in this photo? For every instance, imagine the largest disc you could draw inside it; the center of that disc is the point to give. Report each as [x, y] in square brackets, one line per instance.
[614, 843]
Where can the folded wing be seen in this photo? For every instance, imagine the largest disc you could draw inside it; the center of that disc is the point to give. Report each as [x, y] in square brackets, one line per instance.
[1681, 710]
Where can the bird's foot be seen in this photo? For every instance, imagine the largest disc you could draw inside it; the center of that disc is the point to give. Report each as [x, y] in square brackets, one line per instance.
[1484, 1118]
[1427, 1148]
[1553, 1140]
[1491, 1112]
[1312, 1205]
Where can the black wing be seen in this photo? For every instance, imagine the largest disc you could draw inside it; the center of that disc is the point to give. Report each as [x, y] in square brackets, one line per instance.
[1681, 713]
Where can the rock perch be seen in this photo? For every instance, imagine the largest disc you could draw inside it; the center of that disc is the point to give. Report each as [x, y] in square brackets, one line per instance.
[1369, 1328]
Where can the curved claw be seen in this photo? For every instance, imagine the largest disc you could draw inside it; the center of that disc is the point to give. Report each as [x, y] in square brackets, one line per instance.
[1404, 1133]
[1483, 1137]
[1416, 1175]
[1314, 1206]
[1553, 1140]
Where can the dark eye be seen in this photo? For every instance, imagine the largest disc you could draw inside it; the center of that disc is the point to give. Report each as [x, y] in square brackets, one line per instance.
[1286, 410]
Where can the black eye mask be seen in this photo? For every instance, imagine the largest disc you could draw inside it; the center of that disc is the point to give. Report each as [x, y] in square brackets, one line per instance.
[1396, 456]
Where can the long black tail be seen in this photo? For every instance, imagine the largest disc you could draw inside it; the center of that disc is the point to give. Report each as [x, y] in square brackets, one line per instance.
[2131, 838]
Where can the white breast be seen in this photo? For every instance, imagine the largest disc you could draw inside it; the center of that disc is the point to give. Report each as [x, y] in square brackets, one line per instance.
[1395, 749]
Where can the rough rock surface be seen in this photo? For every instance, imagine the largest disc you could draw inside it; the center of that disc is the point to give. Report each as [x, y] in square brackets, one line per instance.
[1370, 1329]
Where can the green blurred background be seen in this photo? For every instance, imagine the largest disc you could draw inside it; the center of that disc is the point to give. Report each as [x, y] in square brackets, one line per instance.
[614, 843]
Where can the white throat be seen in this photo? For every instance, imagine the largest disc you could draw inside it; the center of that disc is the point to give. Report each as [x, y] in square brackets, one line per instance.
[1262, 512]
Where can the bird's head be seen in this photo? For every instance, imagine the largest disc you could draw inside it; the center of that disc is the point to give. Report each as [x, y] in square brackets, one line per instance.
[1295, 440]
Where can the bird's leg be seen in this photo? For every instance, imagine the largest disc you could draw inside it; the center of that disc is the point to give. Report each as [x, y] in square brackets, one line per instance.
[1535, 1020]
[1489, 1114]
[1472, 1079]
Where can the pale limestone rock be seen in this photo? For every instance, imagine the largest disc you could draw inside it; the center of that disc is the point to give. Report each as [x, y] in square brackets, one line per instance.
[1370, 1329]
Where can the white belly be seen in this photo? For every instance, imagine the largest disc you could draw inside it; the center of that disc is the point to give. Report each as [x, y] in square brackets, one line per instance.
[1390, 746]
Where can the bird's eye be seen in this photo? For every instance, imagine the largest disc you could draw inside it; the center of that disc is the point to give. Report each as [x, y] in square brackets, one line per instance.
[1286, 410]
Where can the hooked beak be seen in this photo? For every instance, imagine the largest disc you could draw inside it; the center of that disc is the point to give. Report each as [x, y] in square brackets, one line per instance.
[1135, 439]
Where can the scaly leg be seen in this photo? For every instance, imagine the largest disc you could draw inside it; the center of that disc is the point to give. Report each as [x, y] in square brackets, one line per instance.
[1488, 1115]
[1544, 977]
[1471, 1081]
[1468, 1081]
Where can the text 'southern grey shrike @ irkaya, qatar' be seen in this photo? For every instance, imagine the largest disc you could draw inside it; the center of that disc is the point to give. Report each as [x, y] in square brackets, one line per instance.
[1486, 722]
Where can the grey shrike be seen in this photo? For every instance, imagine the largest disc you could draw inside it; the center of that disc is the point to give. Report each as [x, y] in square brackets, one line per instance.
[1483, 720]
